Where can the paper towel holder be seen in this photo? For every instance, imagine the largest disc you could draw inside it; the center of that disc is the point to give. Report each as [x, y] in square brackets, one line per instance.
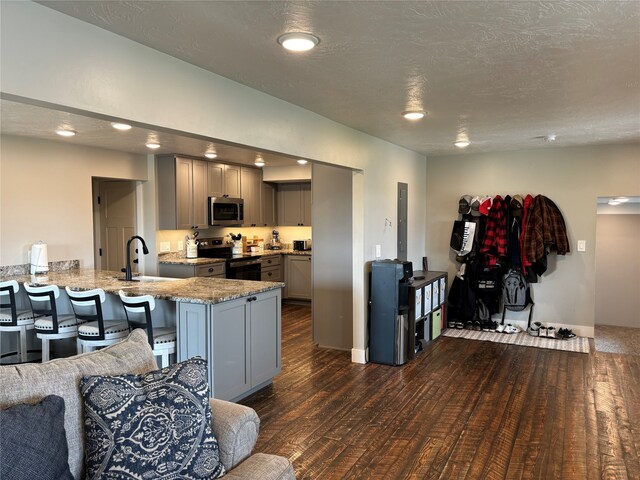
[39, 258]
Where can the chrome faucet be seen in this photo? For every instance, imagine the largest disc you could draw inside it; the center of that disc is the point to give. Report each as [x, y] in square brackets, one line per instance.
[127, 271]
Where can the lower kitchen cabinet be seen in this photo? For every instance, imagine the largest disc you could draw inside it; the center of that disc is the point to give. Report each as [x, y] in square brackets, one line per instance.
[298, 277]
[241, 339]
[271, 268]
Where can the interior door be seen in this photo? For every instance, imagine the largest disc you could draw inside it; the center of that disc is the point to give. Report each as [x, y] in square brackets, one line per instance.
[117, 207]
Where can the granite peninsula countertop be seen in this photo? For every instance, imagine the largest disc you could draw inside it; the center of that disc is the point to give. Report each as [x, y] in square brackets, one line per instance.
[175, 258]
[205, 290]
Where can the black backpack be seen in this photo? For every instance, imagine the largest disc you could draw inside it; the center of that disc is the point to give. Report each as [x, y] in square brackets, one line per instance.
[516, 294]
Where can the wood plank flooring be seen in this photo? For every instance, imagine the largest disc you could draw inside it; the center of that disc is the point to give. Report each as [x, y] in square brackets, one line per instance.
[463, 409]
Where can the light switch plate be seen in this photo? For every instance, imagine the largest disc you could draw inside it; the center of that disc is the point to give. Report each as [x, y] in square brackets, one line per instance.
[165, 247]
[378, 251]
[582, 245]
[180, 245]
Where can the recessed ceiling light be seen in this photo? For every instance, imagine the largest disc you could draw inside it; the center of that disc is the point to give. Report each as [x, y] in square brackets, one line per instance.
[550, 138]
[298, 41]
[414, 114]
[120, 126]
[153, 145]
[302, 161]
[66, 132]
[613, 202]
[211, 155]
[621, 199]
[462, 143]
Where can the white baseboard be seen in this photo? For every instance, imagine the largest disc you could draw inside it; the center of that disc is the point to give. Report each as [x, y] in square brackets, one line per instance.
[358, 355]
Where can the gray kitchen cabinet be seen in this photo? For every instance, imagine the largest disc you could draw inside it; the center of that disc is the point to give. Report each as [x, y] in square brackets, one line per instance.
[182, 193]
[271, 268]
[294, 204]
[298, 277]
[241, 339]
[251, 193]
[223, 179]
[216, 270]
[269, 204]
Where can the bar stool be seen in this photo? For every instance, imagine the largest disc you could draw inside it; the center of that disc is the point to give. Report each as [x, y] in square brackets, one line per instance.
[12, 319]
[138, 310]
[97, 332]
[48, 324]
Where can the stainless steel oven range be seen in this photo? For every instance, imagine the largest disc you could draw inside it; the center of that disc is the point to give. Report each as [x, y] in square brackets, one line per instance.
[241, 267]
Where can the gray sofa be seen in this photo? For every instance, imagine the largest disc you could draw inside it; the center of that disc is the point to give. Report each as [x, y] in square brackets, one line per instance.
[235, 426]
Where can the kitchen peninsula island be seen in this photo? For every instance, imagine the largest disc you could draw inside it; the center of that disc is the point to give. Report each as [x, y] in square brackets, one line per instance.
[234, 324]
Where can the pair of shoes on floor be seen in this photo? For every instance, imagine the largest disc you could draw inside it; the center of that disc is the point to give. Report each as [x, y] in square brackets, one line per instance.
[489, 326]
[458, 325]
[534, 330]
[548, 331]
[566, 334]
[508, 328]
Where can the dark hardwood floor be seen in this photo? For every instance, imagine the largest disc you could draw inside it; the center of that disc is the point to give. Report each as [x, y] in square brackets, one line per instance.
[461, 409]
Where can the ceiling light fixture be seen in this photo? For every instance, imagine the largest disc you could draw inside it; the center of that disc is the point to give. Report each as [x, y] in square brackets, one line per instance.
[462, 143]
[550, 138]
[414, 114]
[302, 161]
[298, 41]
[259, 162]
[66, 132]
[621, 199]
[153, 145]
[613, 202]
[121, 126]
[211, 155]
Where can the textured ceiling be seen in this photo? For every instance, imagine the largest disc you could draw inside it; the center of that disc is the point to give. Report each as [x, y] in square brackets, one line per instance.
[508, 73]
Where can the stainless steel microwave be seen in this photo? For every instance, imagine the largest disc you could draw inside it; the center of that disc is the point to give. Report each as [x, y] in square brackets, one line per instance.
[226, 211]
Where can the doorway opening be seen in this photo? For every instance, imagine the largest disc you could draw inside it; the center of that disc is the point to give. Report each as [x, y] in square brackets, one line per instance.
[114, 221]
[617, 281]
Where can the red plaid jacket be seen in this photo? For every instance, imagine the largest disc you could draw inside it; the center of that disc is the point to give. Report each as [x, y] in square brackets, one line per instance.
[494, 242]
[545, 227]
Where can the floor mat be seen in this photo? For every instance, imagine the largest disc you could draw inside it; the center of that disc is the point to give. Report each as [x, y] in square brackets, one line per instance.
[577, 344]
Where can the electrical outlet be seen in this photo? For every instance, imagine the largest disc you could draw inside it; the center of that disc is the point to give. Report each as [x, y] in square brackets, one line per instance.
[378, 251]
[165, 247]
[582, 245]
[180, 245]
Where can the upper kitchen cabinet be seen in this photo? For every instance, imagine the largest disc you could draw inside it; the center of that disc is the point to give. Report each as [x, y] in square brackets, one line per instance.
[224, 180]
[182, 193]
[294, 204]
[251, 192]
[269, 204]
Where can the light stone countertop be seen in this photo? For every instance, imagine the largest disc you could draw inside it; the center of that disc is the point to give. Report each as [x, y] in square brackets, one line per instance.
[205, 290]
[177, 258]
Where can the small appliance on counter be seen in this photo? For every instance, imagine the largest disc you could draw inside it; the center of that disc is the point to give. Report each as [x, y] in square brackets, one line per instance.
[302, 245]
[39, 258]
[275, 240]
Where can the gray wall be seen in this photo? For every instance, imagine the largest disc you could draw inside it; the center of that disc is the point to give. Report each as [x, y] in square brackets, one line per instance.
[332, 257]
[618, 270]
[573, 178]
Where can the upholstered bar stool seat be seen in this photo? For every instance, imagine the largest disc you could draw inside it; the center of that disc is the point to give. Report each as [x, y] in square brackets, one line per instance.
[48, 324]
[12, 319]
[162, 339]
[96, 332]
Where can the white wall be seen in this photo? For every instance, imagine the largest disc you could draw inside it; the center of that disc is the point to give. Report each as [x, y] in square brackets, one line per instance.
[572, 177]
[45, 194]
[104, 73]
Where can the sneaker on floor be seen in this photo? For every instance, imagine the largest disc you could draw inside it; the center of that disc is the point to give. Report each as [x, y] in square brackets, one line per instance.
[500, 328]
[542, 331]
[511, 328]
[551, 332]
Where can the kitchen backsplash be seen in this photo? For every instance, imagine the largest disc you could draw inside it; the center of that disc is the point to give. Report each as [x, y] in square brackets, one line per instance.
[287, 235]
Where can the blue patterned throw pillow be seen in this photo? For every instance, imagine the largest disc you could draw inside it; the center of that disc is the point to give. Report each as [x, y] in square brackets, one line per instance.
[151, 426]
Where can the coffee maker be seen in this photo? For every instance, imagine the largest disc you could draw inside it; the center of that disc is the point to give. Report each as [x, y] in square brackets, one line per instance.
[275, 240]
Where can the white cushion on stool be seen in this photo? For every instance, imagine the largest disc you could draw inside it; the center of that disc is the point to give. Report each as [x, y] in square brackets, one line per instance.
[65, 322]
[163, 335]
[25, 317]
[111, 328]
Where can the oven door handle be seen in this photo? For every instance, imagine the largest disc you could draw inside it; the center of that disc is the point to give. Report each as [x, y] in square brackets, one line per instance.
[244, 263]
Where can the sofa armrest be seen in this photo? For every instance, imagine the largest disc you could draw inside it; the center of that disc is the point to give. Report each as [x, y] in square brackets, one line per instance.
[236, 427]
